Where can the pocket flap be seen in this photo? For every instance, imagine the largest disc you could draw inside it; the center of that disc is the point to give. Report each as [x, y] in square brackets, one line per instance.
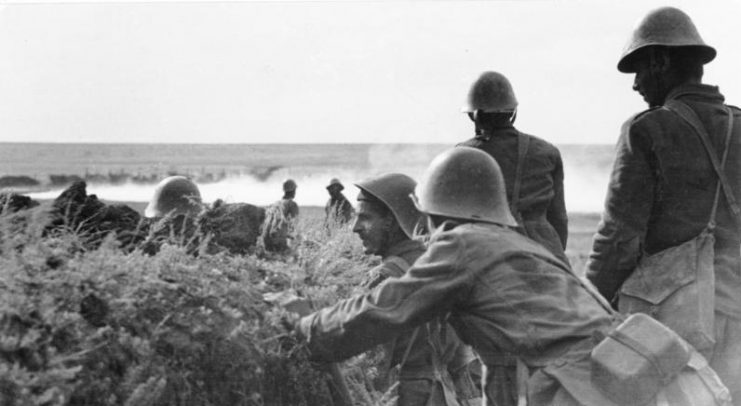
[659, 275]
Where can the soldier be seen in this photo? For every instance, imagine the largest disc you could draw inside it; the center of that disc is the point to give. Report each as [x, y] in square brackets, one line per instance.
[174, 195]
[431, 358]
[499, 290]
[338, 208]
[533, 175]
[174, 209]
[665, 186]
[532, 167]
[288, 206]
[280, 219]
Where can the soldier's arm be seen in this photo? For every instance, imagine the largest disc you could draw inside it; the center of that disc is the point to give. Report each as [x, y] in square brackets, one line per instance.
[617, 243]
[429, 289]
[556, 214]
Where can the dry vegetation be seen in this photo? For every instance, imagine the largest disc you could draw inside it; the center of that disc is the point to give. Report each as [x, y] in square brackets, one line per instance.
[108, 327]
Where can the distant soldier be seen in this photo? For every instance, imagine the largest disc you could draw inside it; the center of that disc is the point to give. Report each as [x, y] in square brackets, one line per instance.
[280, 219]
[174, 195]
[675, 187]
[532, 167]
[338, 208]
[174, 209]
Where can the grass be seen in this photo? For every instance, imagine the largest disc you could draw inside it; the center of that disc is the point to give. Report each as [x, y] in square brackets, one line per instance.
[107, 327]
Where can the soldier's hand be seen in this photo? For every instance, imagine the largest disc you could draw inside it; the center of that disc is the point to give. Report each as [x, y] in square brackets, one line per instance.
[291, 302]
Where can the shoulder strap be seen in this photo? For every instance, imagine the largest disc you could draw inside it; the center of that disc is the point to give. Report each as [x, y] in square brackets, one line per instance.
[523, 143]
[689, 115]
[415, 333]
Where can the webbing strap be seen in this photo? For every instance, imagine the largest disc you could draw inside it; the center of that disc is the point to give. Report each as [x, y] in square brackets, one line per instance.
[636, 346]
[434, 332]
[523, 374]
[523, 143]
[687, 114]
[399, 263]
[711, 380]
[409, 348]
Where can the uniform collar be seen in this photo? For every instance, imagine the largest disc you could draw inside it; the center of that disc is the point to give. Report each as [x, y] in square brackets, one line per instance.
[696, 91]
[498, 130]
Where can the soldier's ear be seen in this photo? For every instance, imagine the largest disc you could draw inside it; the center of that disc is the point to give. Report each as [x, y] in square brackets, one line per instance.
[659, 60]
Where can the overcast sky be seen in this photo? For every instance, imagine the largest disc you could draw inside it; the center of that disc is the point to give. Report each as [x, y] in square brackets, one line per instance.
[356, 71]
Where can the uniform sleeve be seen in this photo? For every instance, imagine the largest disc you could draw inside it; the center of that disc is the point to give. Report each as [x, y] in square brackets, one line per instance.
[556, 214]
[293, 209]
[429, 288]
[617, 243]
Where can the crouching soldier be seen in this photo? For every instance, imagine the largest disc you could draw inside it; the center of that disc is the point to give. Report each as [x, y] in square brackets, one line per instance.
[173, 212]
[179, 217]
[502, 292]
[432, 360]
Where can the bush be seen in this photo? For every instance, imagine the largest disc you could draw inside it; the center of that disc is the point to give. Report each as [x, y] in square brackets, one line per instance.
[111, 327]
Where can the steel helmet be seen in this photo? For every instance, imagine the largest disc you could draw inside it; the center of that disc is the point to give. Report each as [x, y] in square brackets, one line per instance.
[393, 190]
[176, 194]
[465, 183]
[491, 93]
[665, 26]
[289, 185]
[333, 182]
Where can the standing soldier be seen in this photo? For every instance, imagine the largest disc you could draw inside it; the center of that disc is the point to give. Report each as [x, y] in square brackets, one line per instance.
[338, 208]
[500, 291]
[288, 207]
[532, 167]
[431, 358]
[676, 179]
[533, 175]
[281, 219]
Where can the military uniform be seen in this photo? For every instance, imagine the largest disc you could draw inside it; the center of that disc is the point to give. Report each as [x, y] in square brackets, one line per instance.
[661, 194]
[500, 292]
[339, 210]
[539, 206]
[432, 359]
[279, 224]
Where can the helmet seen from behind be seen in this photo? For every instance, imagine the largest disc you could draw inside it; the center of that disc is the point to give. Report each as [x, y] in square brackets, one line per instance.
[465, 183]
[174, 194]
[393, 190]
[491, 93]
[665, 26]
[289, 185]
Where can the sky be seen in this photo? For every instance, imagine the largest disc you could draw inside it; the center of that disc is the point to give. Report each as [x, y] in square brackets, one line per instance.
[325, 71]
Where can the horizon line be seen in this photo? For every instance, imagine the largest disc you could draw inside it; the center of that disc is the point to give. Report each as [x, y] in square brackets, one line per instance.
[264, 143]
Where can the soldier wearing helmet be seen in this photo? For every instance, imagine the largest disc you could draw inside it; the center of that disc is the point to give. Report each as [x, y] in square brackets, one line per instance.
[532, 167]
[664, 189]
[499, 290]
[386, 222]
[174, 209]
[280, 219]
[338, 209]
[174, 195]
